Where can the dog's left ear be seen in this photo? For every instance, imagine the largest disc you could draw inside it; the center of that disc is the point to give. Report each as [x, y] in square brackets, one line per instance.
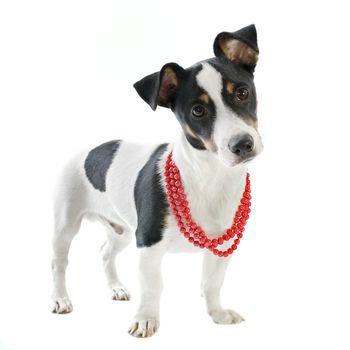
[240, 47]
[159, 89]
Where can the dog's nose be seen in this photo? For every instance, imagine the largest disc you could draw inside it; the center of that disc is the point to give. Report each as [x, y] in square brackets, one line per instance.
[241, 146]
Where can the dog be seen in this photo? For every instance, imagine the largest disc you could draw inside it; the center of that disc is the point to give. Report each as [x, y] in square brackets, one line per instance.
[122, 183]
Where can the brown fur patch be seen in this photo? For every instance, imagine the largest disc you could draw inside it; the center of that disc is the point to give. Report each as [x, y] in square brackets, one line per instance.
[190, 132]
[210, 144]
[230, 87]
[238, 51]
[168, 85]
[204, 98]
[252, 122]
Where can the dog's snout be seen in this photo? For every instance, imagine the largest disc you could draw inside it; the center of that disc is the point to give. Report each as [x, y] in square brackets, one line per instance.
[241, 146]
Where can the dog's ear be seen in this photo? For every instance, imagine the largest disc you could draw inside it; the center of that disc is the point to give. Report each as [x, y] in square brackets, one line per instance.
[159, 89]
[240, 47]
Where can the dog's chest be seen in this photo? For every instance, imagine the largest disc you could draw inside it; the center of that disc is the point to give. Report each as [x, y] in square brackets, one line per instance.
[213, 203]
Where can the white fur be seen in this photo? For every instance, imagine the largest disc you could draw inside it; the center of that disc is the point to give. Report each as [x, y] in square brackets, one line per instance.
[213, 189]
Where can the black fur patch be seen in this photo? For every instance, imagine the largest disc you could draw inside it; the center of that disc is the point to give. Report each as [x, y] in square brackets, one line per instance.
[187, 97]
[151, 203]
[241, 78]
[98, 162]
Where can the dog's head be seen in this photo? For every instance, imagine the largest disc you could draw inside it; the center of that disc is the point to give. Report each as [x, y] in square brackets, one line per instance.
[214, 100]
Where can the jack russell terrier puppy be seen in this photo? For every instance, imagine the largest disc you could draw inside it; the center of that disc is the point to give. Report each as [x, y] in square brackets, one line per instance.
[122, 184]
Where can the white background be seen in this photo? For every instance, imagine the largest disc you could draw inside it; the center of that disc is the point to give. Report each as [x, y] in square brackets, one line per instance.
[66, 75]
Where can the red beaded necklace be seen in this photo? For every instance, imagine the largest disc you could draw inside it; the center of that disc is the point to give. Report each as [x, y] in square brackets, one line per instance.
[191, 230]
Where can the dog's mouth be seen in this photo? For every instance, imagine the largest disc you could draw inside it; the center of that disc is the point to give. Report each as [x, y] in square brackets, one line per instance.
[238, 161]
[248, 160]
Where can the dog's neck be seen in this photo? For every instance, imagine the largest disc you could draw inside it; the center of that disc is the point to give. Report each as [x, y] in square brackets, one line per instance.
[205, 167]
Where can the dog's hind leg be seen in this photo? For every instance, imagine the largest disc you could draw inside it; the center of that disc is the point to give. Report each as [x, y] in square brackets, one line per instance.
[65, 231]
[70, 207]
[118, 237]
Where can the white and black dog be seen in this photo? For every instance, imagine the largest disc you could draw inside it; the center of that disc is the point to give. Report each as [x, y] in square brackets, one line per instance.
[122, 183]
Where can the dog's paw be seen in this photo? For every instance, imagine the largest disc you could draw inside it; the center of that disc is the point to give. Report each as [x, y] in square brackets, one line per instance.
[120, 293]
[62, 306]
[144, 328]
[226, 316]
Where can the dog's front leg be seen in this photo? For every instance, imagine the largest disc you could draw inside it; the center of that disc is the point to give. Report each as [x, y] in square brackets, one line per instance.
[214, 269]
[146, 320]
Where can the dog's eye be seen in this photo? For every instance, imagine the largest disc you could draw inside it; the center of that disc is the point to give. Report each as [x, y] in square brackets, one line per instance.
[242, 94]
[199, 111]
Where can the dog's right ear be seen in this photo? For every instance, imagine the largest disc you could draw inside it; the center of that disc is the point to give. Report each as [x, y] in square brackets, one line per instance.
[240, 47]
[159, 89]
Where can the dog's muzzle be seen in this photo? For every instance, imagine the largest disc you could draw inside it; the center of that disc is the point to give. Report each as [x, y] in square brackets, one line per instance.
[242, 146]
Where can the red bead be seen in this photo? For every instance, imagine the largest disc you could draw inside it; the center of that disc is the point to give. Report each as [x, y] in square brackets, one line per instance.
[216, 252]
[244, 201]
[180, 189]
[230, 250]
[176, 176]
[198, 230]
[177, 203]
[237, 241]
[196, 243]
[182, 229]
[226, 237]
[239, 235]
[186, 234]
[225, 254]
[201, 245]
[187, 216]
[177, 183]
[175, 195]
[240, 226]
[172, 182]
[214, 242]
[220, 240]
[191, 239]
[230, 233]
[234, 247]
[220, 253]
[175, 170]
